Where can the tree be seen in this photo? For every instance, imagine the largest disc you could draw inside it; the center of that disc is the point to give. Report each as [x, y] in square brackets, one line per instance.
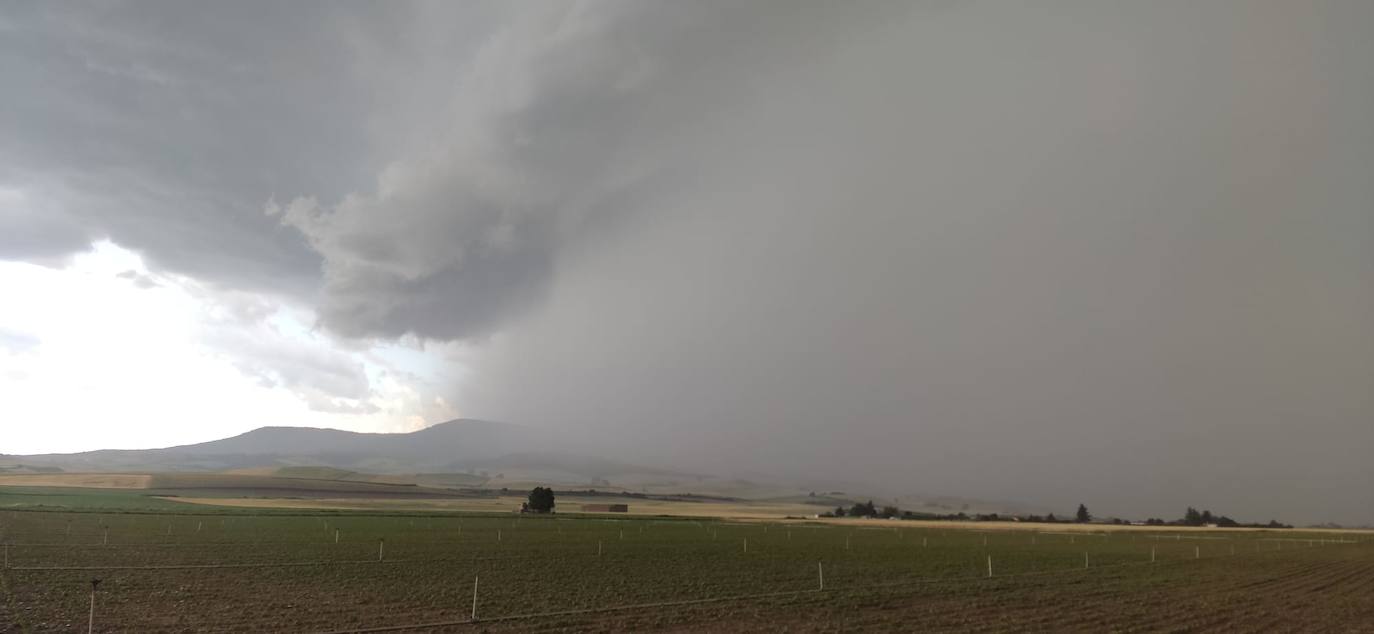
[839, 511]
[541, 500]
[1051, 518]
[1084, 516]
[1192, 517]
[890, 511]
[863, 509]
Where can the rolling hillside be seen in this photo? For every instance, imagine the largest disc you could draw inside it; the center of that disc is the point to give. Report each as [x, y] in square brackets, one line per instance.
[444, 447]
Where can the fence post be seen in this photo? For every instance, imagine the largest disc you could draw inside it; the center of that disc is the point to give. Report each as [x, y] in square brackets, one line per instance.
[474, 598]
[381, 546]
[820, 573]
[989, 566]
[90, 624]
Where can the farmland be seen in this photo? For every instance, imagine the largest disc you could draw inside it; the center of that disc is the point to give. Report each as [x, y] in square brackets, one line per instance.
[238, 570]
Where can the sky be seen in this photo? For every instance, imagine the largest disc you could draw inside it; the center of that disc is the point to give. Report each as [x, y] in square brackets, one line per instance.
[1073, 251]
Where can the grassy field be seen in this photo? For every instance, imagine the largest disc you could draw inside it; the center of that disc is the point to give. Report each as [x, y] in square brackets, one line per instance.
[172, 567]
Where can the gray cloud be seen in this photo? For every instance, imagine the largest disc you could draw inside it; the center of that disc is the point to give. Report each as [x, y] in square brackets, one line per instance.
[561, 120]
[163, 126]
[1121, 261]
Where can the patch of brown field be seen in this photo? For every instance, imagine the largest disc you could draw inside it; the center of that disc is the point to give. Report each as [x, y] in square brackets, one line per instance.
[78, 480]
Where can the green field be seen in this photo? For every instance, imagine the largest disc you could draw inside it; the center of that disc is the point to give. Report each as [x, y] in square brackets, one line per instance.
[251, 571]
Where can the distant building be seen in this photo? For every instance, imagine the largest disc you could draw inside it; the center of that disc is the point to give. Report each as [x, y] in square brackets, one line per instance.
[605, 508]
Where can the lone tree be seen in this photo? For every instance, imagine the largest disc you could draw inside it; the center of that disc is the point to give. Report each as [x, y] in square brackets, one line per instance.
[1083, 515]
[541, 500]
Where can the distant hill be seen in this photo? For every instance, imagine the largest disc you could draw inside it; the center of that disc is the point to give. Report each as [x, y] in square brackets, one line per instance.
[445, 447]
[462, 453]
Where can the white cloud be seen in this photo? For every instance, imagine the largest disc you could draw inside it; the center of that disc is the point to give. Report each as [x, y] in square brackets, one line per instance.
[106, 362]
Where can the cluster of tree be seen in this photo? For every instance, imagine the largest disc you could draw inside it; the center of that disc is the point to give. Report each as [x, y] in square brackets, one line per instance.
[1193, 517]
[541, 501]
[866, 509]
[860, 509]
[1048, 519]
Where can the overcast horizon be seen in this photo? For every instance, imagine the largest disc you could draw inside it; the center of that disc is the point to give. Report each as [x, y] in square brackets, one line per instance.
[1112, 252]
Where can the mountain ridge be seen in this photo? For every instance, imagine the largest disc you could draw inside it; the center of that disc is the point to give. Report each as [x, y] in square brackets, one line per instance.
[438, 447]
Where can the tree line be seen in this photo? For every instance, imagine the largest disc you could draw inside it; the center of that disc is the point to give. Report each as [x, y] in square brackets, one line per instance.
[1192, 517]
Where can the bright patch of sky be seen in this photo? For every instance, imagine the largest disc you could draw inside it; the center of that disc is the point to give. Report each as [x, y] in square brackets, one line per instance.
[101, 353]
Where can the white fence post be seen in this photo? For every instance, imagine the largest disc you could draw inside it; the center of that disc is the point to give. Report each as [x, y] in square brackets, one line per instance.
[474, 598]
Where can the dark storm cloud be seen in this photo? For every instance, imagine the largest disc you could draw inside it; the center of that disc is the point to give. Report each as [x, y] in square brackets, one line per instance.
[559, 120]
[163, 127]
[1121, 259]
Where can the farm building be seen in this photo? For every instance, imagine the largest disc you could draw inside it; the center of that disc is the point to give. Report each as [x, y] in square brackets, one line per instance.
[605, 508]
